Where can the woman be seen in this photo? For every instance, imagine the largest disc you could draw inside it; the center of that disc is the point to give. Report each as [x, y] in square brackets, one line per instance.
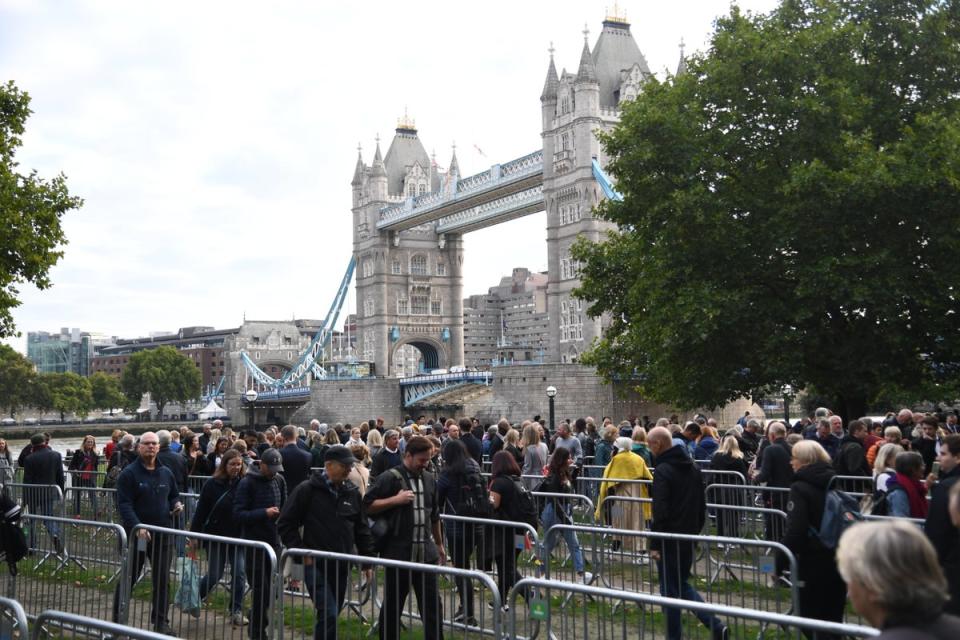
[360, 473]
[559, 511]
[895, 581]
[374, 442]
[214, 516]
[355, 437]
[534, 456]
[605, 447]
[462, 537]
[112, 445]
[219, 448]
[6, 464]
[707, 445]
[625, 465]
[906, 492]
[729, 458]
[197, 464]
[511, 443]
[504, 496]
[823, 593]
[640, 448]
[883, 471]
[84, 465]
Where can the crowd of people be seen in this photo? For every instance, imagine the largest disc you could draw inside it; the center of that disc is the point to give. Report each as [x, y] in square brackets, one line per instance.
[377, 491]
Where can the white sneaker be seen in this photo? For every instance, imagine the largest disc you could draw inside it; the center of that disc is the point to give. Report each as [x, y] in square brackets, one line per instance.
[239, 620]
[586, 577]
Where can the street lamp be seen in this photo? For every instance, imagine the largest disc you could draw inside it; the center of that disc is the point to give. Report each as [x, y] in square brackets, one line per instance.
[551, 394]
[250, 395]
[787, 392]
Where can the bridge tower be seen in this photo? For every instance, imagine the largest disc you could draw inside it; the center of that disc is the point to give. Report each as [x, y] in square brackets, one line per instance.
[409, 284]
[574, 106]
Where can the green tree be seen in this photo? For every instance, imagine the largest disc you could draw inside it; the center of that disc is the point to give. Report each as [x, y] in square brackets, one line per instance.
[41, 397]
[16, 378]
[106, 391]
[790, 210]
[31, 238]
[164, 373]
[70, 393]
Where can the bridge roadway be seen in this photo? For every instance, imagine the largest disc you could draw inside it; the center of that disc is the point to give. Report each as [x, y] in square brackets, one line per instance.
[503, 192]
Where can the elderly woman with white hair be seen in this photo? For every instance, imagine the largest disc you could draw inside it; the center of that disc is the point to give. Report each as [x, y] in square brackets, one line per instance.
[895, 581]
[625, 465]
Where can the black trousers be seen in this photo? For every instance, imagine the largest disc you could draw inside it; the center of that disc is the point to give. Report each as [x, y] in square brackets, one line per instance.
[397, 583]
[462, 540]
[260, 578]
[507, 573]
[160, 553]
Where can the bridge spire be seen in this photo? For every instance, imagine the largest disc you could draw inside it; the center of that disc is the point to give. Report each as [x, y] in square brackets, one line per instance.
[552, 82]
[682, 66]
[588, 70]
[454, 165]
[378, 168]
[358, 171]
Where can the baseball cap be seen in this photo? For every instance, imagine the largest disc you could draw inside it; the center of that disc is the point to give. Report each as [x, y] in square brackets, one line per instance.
[271, 458]
[341, 454]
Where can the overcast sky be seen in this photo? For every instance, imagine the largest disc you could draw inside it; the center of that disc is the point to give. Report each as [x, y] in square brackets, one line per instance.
[214, 142]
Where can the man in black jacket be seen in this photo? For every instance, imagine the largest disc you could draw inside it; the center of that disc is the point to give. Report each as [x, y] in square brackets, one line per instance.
[172, 460]
[407, 496]
[43, 468]
[941, 531]
[296, 461]
[679, 506]
[473, 444]
[311, 506]
[851, 457]
[260, 495]
[388, 457]
[776, 473]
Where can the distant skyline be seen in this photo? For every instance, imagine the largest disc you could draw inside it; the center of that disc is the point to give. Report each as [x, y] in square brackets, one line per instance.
[214, 143]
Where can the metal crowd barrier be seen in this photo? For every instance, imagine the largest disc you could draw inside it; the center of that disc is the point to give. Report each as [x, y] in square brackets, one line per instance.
[562, 608]
[711, 476]
[172, 594]
[13, 619]
[195, 483]
[38, 499]
[57, 624]
[368, 600]
[733, 571]
[763, 497]
[85, 557]
[581, 504]
[857, 486]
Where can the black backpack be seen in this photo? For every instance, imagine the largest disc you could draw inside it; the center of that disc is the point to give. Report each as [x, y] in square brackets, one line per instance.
[13, 543]
[840, 511]
[524, 508]
[474, 498]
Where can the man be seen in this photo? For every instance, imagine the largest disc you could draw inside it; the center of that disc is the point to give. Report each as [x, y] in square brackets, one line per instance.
[172, 460]
[566, 440]
[453, 432]
[750, 439]
[690, 435]
[928, 443]
[147, 494]
[497, 437]
[473, 444]
[408, 496]
[310, 506]
[43, 468]
[939, 528]
[260, 495]
[951, 423]
[679, 506]
[388, 457]
[776, 472]
[851, 457]
[905, 422]
[296, 461]
[826, 438]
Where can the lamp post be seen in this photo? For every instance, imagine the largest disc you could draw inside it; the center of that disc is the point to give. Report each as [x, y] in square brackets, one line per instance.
[250, 396]
[787, 392]
[551, 394]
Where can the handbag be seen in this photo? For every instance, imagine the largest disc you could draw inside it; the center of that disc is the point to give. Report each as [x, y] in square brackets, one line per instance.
[188, 591]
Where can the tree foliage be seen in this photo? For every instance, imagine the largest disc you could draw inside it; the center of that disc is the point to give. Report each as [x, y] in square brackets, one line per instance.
[17, 376]
[790, 210]
[31, 238]
[164, 373]
[69, 392]
[106, 391]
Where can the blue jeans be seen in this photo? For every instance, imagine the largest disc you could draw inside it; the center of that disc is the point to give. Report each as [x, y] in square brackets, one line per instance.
[549, 518]
[673, 567]
[327, 585]
[217, 557]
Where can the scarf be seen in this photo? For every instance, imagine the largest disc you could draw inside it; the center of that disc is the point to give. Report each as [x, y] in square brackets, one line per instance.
[916, 493]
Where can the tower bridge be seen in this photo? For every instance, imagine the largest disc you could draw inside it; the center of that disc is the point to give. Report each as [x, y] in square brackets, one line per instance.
[409, 218]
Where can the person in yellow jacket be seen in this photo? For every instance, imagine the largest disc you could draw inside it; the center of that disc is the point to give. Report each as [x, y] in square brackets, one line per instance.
[625, 465]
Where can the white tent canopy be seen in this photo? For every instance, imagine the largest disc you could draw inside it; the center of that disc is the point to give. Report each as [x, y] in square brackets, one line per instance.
[212, 410]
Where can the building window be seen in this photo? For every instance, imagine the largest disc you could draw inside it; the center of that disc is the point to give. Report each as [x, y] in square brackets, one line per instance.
[418, 265]
[368, 307]
[395, 268]
[435, 308]
[411, 189]
[419, 305]
[402, 307]
[367, 268]
[441, 269]
[422, 189]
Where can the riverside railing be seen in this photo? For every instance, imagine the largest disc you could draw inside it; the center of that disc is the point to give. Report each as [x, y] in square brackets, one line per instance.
[573, 612]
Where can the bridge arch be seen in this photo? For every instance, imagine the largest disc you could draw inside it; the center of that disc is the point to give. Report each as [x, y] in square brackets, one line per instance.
[434, 353]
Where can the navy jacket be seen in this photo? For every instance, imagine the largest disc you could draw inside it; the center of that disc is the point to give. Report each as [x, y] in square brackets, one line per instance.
[296, 465]
[145, 496]
[679, 502]
[255, 494]
[385, 460]
[176, 463]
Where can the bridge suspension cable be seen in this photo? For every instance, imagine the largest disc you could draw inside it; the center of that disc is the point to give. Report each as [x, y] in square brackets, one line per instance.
[605, 183]
[308, 361]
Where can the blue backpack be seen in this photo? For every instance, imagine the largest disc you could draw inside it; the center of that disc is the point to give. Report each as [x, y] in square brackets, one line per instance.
[840, 511]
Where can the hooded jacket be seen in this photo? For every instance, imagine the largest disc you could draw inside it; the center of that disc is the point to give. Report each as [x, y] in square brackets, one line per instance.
[331, 521]
[805, 508]
[214, 513]
[851, 458]
[255, 494]
[679, 503]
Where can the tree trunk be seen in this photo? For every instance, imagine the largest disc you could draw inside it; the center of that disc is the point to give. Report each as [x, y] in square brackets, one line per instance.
[850, 407]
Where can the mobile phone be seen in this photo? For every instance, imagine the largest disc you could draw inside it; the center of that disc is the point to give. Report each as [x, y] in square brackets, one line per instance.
[936, 468]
